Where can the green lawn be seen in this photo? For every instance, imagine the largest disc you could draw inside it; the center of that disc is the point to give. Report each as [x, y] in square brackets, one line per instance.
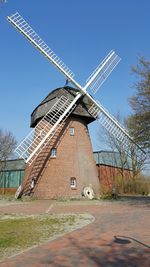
[18, 233]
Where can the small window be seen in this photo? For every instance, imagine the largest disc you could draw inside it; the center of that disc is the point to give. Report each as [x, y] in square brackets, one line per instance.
[73, 183]
[71, 130]
[53, 153]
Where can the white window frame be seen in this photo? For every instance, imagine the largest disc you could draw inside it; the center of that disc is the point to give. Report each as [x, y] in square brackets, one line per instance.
[73, 183]
[53, 153]
[72, 131]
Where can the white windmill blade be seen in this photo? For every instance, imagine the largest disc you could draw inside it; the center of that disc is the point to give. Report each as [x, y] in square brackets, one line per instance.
[104, 69]
[44, 131]
[113, 126]
[22, 26]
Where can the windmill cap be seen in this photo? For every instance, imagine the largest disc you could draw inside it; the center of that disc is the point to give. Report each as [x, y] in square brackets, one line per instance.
[81, 109]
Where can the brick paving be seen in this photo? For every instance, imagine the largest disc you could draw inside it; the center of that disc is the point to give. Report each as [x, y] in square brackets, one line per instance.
[94, 244]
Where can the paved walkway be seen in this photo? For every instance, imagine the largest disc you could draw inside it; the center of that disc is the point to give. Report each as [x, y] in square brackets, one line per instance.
[117, 238]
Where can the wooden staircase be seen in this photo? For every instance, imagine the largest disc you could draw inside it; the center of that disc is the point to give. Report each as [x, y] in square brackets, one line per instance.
[38, 167]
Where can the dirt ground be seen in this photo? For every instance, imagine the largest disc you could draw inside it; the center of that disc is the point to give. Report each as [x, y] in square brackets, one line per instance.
[119, 236]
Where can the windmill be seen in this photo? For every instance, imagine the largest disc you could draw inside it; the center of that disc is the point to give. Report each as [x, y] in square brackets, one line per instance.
[32, 147]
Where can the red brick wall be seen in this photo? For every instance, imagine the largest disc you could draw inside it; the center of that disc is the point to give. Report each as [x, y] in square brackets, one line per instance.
[110, 176]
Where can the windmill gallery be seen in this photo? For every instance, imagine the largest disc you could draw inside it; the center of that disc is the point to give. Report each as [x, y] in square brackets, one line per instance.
[58, 150]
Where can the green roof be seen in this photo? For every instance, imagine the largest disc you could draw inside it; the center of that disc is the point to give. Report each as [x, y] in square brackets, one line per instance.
[110, 158]
[14, 164]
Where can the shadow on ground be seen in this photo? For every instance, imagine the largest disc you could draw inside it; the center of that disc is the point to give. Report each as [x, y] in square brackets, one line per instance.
[118, 253]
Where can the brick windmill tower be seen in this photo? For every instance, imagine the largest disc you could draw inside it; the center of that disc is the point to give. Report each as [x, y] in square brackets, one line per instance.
[58, 151]
[65, 167]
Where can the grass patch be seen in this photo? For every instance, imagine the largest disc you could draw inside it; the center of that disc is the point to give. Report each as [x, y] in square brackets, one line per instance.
[18, 233]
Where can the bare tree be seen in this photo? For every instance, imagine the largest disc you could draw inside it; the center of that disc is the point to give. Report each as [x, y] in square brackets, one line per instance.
[7, 146]
[139, 121]
[126, 160]
[119, 157]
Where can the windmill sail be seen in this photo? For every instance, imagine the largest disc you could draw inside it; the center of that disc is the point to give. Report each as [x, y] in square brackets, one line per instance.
[29, 149]
[95, 80]
[36, 140]
[114, 127]
[104, 69]
[20, 24]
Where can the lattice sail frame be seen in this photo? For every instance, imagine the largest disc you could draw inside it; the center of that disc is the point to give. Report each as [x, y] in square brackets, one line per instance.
[19, 23]
[95, 80]
[104, 69]
[110, 123]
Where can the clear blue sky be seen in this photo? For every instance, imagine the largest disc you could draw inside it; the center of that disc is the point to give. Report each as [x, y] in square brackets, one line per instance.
[81, 32]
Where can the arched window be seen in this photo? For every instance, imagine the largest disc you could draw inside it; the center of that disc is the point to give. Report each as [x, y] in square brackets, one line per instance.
[73, 182]
[53, 153]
